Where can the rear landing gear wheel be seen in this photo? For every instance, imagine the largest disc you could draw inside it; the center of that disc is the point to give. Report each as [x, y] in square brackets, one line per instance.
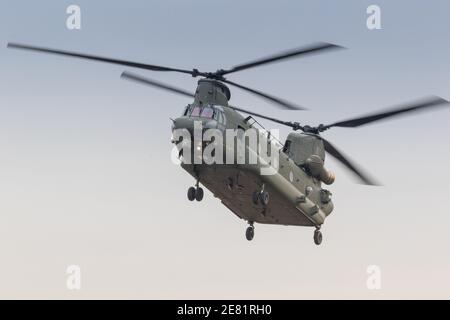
[199, 194]
[317, 237]
[250, 233]
[191, 194]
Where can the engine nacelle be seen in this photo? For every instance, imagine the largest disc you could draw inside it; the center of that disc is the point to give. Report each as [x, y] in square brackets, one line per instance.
[316, 167]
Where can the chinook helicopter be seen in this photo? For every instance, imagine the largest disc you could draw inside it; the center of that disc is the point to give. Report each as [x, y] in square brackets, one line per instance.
[294, 193]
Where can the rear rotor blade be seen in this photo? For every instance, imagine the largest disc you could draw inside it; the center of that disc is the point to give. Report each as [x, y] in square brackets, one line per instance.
[422, 104]
[133, 77]
[313, 48]
[280, 102]
[345, 161]
[98, 58]
[365, 178]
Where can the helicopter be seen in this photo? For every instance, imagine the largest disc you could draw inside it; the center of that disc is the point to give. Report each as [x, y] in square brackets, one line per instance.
[293, 193]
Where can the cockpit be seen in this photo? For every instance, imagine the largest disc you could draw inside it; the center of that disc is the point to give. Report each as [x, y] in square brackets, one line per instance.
[205, 111]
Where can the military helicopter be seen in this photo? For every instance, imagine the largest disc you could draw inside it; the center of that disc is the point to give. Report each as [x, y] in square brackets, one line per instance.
[293, 194]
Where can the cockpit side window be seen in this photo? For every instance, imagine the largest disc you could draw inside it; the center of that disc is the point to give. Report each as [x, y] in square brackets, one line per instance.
[216, 114]
[287, 147]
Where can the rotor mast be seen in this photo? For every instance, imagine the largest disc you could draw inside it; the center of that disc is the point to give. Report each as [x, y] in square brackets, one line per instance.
[211, 92]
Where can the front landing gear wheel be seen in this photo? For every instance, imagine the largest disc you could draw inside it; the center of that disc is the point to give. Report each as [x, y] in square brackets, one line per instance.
[199, 194]
[250, 233]
[264, 197]
[191, 194]
[260, 197]
[317, 237]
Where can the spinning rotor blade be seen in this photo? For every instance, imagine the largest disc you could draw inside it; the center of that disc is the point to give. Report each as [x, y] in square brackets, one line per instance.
[280, 102]
[365, 178]
[313, 48]
[428, 102]
[345, 161]
[217, 75]
[286, 123]
[136, 78]
[98, 58]
[422, 104]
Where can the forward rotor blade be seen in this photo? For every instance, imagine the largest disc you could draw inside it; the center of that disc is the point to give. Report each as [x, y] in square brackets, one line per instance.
[311, 49]
[345, 161]
[280, 102]
[428, 102]
[286, 123]
[133, 77]
[98, 58]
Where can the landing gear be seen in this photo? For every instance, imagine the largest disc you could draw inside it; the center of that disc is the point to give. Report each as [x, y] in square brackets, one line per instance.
[250, 232]
[199, 194]
[264, 198]
[191, 193]
[260, 197]
[317, 236]
[195, 193]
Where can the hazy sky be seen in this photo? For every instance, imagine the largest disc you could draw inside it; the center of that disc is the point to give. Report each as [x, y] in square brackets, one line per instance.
[86, 177]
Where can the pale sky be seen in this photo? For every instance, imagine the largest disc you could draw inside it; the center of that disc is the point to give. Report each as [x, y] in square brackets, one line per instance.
[85, 169]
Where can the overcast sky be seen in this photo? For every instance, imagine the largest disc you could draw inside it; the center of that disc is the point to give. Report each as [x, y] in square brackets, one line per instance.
[86, 177]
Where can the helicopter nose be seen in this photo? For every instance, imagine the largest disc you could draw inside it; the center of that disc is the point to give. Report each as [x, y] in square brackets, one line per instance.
[191, 123]
[183, 123]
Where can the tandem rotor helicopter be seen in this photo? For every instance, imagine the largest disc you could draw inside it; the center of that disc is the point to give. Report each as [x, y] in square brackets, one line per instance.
[293, 195]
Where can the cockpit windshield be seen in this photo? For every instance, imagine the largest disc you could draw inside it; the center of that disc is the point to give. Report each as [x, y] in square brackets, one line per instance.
[195, 112]
[206, 111]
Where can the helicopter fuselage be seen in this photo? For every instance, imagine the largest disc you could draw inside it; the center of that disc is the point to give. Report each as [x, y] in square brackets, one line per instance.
[296, 197]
